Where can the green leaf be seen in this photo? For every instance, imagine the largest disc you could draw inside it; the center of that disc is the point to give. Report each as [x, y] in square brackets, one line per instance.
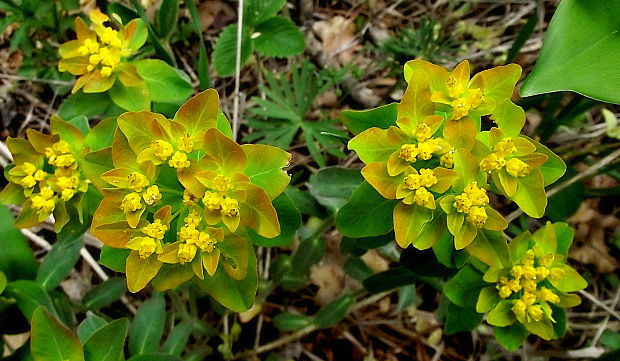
[16, 258]
[88, 105]
[126, 14]
[579, 52]
[238, 296]
[359, 120]
[459, 319]
[167, 16]
[333, 186]
[392, 278]
[133, 98]
[148, 326]
[564, 235]
[367, 214]
[114, 258]
[104, 293]
[107, 343]
[203, 61]
[224, 54]
[309, 252]
[290, 220]
[80, 122]
[357, 269]
[554, 168]
[463, 289]
[610, 339]
[501, 315]
[29, 295]
[530, 195]
[334, 312]
[290, 321]
[59, 262]
[101, 135]
[278, 37]
[566, 202]
[258, 11]
[491, 248]
[424, 263]
[487, 299]
[178, 337]
[264, 167]
[511, 337]
[165, 83]
[91, 324]
[157, 356]
[3, 282]
[51, 341]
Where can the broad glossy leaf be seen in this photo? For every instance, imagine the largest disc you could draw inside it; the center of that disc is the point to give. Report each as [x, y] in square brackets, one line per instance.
[258, 213]
[16, 258]
[376, 144]
[459, 319]
[133, 98]
[416, 103]
[408, 222]
[199, 113]
[502, 314]
[367, 214]
[333, 186]
[487, 299]
[511, 337]
[148, 326]
[60, 260]
[264, 167]
[376, 174]
[463, 289]
[381, 117]
[289, 219]
[52, 341]
[140, 271]
[29, 296]
[530, 195]
[491, 248]
[571, 282]
[165, 84]
[509, 117]
[101, 135]
[579, 52]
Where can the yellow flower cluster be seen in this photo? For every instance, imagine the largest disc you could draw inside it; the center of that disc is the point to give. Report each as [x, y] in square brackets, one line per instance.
[132, 202]
[426, 146]
[418, 183]
[152, 243]
[192, 238]
[472, 202]
[524, 285]
[163, 150]
[497, 160]
[32, 175]
[217, 202]
[106, 52]
[43, 203]
[464, 99]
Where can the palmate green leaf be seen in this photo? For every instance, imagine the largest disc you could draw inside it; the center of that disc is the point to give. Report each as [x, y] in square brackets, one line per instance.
[148, 326]
[367, 214]
[51, 341]
[463, 289]
[16, 258]
[278, 37]
[224, 54]
[579, 52]
[359, 120]
[107, 343]
[165, 83]
[237, 296]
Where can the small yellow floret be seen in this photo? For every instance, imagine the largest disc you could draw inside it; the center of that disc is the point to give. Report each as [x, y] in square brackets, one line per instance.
[185, 143]
[230, 207]
[547, 295]
[151, 195]
[188, 233]
[179, 160]
[516, 271]
[505, 147]
[514, 285]
[188, 198]
[477, 216]
[535, 312]
[205, 242]
[518, 308]
[131, 203]
[193, 219]
[64, 160]
[162, 149]
[517, 168]
[426, 178]
[28, 168]
[221, 183]
[212, 201]
[529, 285]
[423, 198]
[409, 152]
[492, 162]
[137, 181]
[39, 175]
[447, 159]
[547, 260]
[28, 181]
[106, 71]
[186, 252]
[146, 246]
[155, 230]
[455, 89]
[528, 298]
[427, 148]
[505, 292]
[542, 272]
[422, 132]
[557, 274]
[529, 272]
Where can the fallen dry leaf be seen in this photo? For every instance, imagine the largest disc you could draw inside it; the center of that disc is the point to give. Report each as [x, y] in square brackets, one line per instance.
[338, 38]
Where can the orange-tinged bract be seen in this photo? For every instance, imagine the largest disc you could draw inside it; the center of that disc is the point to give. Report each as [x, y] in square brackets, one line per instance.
[182, 196]
[442, 167]
[100, 52]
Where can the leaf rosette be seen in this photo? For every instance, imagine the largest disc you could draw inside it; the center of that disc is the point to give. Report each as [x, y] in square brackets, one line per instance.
[183, 196]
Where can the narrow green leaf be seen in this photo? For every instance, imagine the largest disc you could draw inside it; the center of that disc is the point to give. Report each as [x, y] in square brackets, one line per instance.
[178, 338]
[104, 293]
[167, 16]
[91, 324]
[290, 321]
[59, 262]
[148, 326]
[334, 312]
[30, 295]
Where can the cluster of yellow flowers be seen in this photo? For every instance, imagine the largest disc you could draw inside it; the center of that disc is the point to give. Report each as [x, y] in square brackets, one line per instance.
[427, 146]
[419, 183]
[472, 202]
[498, 160]
[152, 242]
[525, 284]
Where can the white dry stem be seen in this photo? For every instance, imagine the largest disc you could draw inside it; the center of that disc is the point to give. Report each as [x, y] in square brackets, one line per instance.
[235, 125]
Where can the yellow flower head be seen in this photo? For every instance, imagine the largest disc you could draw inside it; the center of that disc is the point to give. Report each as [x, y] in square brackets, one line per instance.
[145, 246]
[517, 168]
[151, 195]
[212, 201]
[221, 183]
[519, 308]
[535, 312]
[505, 147]
[409, 152]
[477, 216]
[205, 242]
[492, 162]
[447, 159]
[179, 160]
[131, 203]
[187, 252]
[155, 230]
[423, 198]
[230, 207]
[137, 181]
[422, 132]
[162, 149]
[186, 144]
